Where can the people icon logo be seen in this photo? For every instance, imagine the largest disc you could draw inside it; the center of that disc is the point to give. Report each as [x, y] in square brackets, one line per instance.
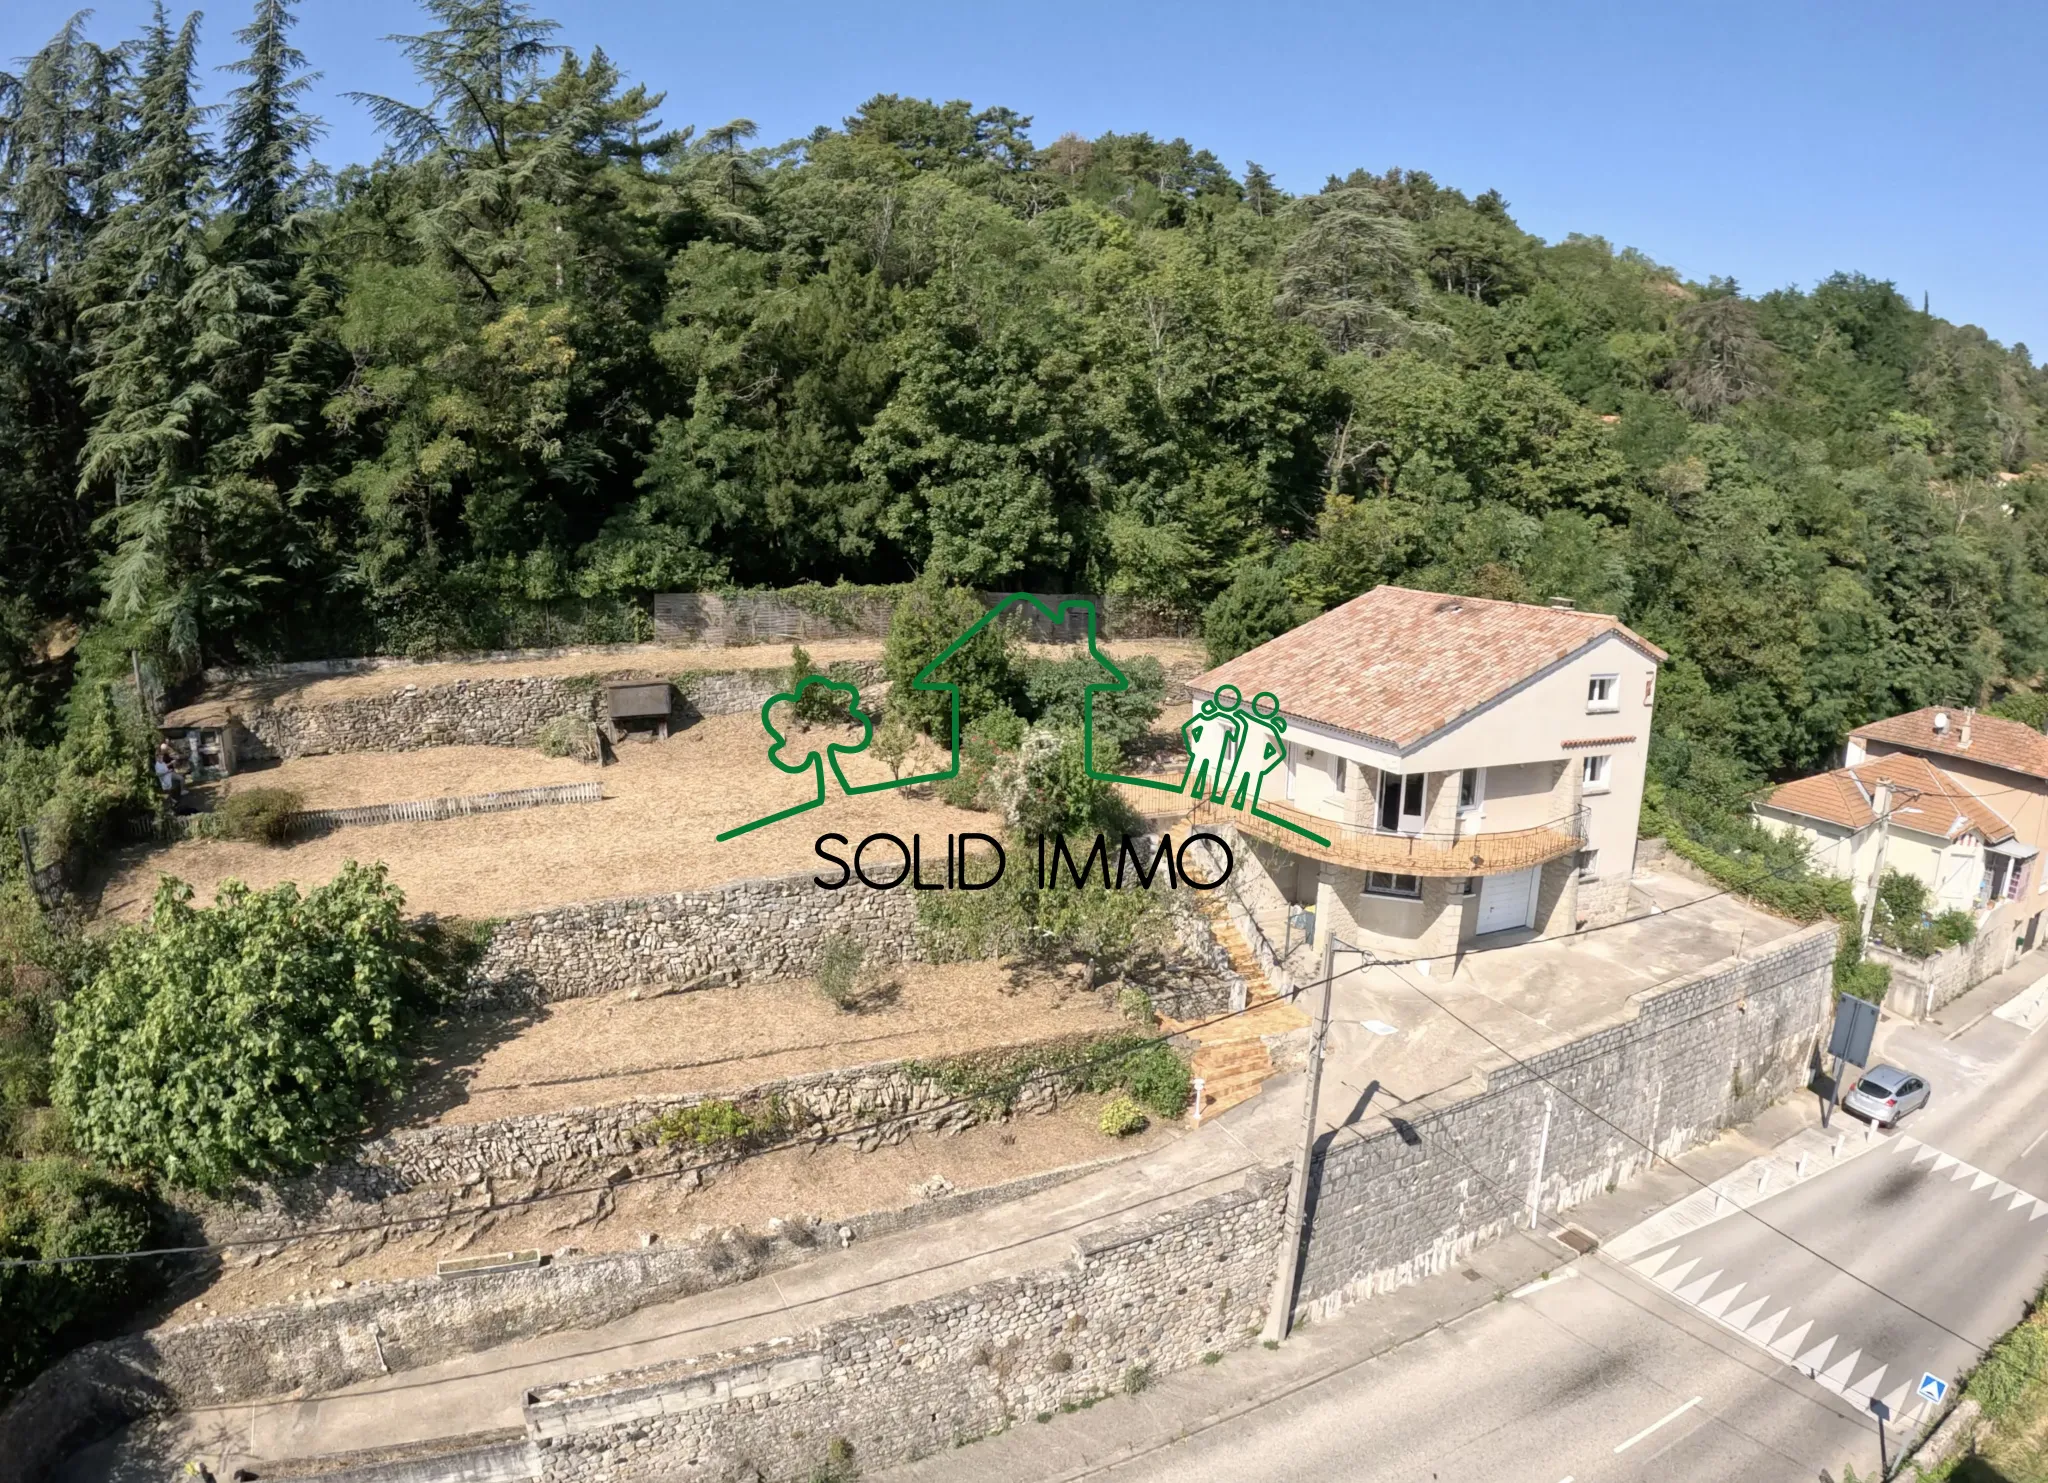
[1232, 748]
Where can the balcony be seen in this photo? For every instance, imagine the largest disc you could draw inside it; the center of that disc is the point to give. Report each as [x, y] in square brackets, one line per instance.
[1360, 847]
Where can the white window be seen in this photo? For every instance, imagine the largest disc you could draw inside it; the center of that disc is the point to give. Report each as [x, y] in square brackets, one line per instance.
[1471, 792]
[1589, 864]
[1594, 772]
[1400, 802]
[1380, 883]
[1603, 693]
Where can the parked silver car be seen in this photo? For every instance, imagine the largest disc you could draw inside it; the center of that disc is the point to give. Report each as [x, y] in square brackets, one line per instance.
[1886, 1094]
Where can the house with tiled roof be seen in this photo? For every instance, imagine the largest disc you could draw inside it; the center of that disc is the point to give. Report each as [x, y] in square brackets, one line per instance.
[1455, 768]
[1941, 833]
[2003, 765]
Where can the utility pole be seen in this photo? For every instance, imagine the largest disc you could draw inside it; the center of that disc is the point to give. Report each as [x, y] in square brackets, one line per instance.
[1280, 1312]
[1882, 806]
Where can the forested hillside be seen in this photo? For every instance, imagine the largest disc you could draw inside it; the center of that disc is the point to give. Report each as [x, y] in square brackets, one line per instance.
[554, 350]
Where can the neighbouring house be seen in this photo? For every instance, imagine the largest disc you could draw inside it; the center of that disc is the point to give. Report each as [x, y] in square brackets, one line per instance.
[2004, 765]
[1941, 833]
[1477, 767]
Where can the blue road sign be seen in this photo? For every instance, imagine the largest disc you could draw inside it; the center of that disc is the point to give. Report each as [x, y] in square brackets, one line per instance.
[1932, 1389]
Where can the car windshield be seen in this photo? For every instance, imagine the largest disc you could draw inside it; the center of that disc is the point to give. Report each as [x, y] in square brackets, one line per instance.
[1877, 1085]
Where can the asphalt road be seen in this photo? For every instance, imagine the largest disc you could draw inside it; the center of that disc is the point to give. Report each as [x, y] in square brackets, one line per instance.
[1748, 1348]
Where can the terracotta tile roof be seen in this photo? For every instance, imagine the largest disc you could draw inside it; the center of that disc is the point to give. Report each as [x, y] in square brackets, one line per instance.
[1595, 741]
[1945, 808]
[1993, 740]
[1397, 665]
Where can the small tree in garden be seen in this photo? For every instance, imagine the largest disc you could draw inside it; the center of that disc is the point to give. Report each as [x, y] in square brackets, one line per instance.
[839, 965]
[244, 1038]
[893, 742]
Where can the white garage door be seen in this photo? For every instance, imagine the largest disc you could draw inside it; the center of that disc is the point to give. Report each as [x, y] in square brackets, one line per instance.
[1505, 900]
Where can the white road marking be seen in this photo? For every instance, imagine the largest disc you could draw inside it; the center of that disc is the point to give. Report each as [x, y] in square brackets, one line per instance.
[2035, 1144]
[1653, 1426]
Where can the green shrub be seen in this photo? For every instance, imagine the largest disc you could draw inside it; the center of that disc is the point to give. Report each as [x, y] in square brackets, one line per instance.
[55, 1207]
[245, 1038]
[1255, 607]
[818, 705]
[1134, 1003]
[1158, 1079]
[839, 965]
[716, 1122]
[928, 618]
[259, 816]
[1955, 928]
[986, 742]
[1121, 1117]
[568, 736]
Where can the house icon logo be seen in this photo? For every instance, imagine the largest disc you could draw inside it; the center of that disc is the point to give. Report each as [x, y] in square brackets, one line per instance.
[1232, 747]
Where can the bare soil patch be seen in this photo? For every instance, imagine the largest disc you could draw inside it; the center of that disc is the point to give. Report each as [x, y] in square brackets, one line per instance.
[590, 1052]
[830, 1182]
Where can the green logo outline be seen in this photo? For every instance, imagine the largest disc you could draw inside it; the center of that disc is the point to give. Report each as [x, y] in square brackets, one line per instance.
[926, 680]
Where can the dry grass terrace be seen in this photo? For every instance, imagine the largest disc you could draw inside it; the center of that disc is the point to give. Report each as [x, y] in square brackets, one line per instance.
[664, 805]
[592, 1052]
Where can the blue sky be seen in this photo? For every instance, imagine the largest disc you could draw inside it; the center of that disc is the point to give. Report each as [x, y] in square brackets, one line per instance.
[1774, 143]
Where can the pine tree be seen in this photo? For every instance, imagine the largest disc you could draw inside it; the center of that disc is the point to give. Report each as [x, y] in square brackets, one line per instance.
[151, 410]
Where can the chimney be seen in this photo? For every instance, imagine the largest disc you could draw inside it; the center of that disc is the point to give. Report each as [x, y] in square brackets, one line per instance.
[1964, 739]
[1563, 602]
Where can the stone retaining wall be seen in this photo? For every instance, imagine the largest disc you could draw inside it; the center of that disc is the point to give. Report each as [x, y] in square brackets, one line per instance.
[883, 1102]
[916, 1380]
[1387, 1210]
[377, 1329]
[495, 712]
[1412, 1200]
[722, 934]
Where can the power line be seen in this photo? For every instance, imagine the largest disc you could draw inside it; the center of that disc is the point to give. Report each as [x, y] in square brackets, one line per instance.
[741, 1156]
[1651, 1149]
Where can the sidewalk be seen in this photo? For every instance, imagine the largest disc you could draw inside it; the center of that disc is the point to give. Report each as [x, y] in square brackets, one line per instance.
[1188, 1402]
[485, 1391]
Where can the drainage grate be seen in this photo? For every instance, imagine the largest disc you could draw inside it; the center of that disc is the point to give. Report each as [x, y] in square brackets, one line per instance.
[1580, 1241]
[1473, 1275]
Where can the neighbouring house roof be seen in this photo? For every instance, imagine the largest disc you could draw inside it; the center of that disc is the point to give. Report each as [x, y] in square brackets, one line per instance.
[1396, 665]
[1994, 740]
[1944, 807]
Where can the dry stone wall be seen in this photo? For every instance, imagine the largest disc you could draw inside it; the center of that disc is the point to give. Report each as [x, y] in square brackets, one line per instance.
[378, 1329]
[920, 1379]
[874, 1104]
[724, 934]
[1412, 1200]
[493, 712]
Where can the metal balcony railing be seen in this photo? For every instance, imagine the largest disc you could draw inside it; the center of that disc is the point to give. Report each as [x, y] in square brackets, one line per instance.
[1361, 847]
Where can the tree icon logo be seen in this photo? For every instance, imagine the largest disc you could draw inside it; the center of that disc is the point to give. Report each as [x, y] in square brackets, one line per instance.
[1231, 748]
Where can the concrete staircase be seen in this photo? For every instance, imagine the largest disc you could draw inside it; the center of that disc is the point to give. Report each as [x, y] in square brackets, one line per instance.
[1231, 1055]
